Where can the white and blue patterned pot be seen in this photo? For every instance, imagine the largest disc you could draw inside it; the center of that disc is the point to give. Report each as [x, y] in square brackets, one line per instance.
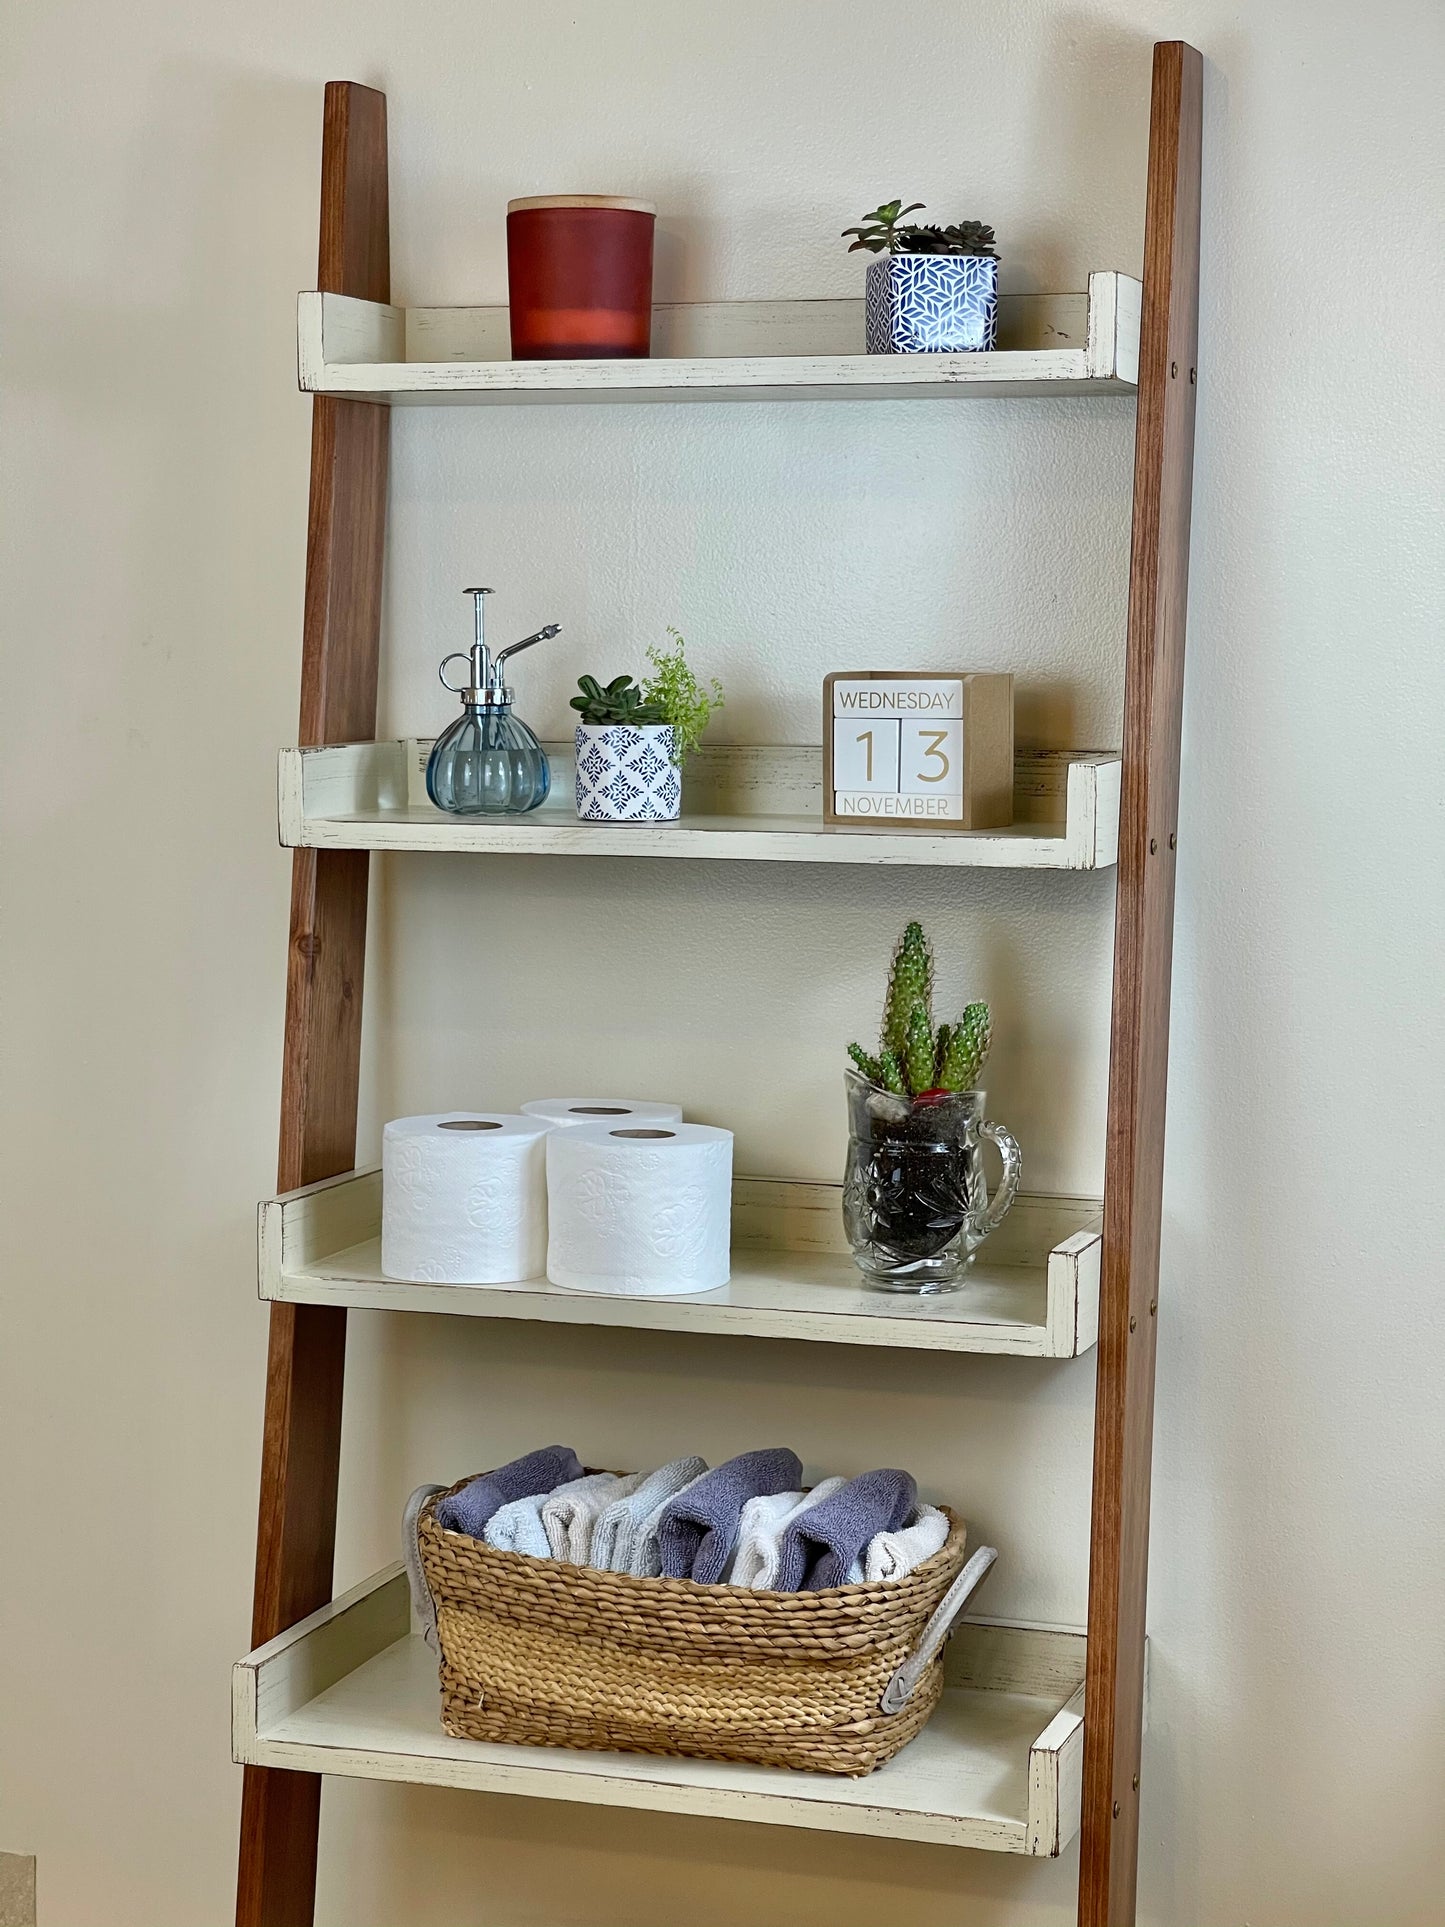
[931, 304]
[626, 773]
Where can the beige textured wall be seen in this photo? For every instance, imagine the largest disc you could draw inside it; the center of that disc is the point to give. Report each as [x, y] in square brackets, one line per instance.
[159, 213]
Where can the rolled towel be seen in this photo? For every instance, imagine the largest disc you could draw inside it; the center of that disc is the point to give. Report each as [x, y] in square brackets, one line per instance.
[618, 1539]
[893, 1555]
[469, 1509]
[518, 1528]
[699, 1528]
[646, 1561]
[760, 1533]
[823, 1543]
[570, 1514]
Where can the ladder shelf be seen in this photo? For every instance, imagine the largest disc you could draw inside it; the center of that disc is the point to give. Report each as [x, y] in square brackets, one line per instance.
[342, 1686]
[1033, 1292]
[1049, 344]
[352, 1691]
[762, 804]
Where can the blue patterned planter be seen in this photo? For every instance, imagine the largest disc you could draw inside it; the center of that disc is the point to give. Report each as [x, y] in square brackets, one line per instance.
[931, 304]
[627, 774]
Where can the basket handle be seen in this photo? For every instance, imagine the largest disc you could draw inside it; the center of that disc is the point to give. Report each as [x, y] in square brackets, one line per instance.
[422, 1603]
[899, 1690]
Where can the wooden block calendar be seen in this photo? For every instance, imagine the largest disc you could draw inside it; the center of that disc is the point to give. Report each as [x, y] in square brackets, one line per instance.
[905, 745]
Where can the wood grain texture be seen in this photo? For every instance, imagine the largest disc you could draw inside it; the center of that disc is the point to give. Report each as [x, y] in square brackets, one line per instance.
[301, 1441]
[1133, 1183]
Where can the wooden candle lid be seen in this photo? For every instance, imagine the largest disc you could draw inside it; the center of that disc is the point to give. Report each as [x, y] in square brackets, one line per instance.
[579, 200]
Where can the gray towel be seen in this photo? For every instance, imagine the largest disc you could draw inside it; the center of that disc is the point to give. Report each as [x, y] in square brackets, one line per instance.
[699, 1528]
[469, 1510]
[822, 1544]
[625, 1536]
[761, 1529]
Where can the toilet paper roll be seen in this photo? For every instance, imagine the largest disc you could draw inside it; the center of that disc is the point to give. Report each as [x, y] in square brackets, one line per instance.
[464, 1198]
[571, 1111]
[639, 1210]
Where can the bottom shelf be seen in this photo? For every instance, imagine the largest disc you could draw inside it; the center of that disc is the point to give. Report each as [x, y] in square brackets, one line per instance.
[353, 1691]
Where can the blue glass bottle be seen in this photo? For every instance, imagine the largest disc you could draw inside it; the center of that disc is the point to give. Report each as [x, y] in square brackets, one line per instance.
[488, 763]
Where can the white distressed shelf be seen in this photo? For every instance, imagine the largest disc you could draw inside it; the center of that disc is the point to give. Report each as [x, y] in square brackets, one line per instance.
[352, 1691]
[761, 804]
[1049, 344]
[1033, 1291]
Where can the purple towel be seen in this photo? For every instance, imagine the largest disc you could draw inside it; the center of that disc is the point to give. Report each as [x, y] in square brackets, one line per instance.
[699, 1528]
[540, 1471]
[820, 1546]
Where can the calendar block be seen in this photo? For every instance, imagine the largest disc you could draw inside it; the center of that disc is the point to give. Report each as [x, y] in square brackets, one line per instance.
[866, 757]
[931, 760]
[903, 746]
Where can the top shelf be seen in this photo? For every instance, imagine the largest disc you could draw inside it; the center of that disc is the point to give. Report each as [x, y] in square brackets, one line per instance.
[1050, 344]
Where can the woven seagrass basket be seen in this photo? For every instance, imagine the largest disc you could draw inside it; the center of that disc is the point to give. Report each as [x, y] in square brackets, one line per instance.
[547, 1654]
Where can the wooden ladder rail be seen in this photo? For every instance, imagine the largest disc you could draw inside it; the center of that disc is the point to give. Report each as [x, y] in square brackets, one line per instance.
[1143, 948]
[345, 538]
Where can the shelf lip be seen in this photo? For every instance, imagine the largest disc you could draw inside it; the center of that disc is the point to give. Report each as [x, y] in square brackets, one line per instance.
[764, 805]
[792, 1276]
[719, 351]
[352, 1692]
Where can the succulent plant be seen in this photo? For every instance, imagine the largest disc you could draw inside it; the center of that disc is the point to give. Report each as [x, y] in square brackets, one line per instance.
[885, 230]
[620, 702]
[913, 1060]
[967, 237]
[880, 228]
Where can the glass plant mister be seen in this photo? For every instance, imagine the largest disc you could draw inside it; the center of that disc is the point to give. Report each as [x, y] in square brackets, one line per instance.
[488, 763]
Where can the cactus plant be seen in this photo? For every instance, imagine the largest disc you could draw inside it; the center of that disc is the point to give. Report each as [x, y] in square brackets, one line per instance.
[868, 1067]
[892, 1073]
[914, 1192]
[921, 1053]
[910, 984]
[913, 1059]
[961, 1058]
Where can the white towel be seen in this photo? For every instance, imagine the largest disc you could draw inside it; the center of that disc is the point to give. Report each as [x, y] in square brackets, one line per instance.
[570, 1514]
[755, 1562]
[517, 1527]
[893, 1555]
[620, 1537]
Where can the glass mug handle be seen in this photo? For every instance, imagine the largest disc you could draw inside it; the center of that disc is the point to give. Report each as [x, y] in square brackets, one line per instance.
[992, 1216]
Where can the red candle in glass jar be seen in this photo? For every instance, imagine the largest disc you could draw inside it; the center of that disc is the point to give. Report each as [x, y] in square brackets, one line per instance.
[579, 277]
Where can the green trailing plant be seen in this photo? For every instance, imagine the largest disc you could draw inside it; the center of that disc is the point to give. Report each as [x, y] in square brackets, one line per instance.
[914, 1059]
[680, 697]
[886, 231]
[620, 702]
